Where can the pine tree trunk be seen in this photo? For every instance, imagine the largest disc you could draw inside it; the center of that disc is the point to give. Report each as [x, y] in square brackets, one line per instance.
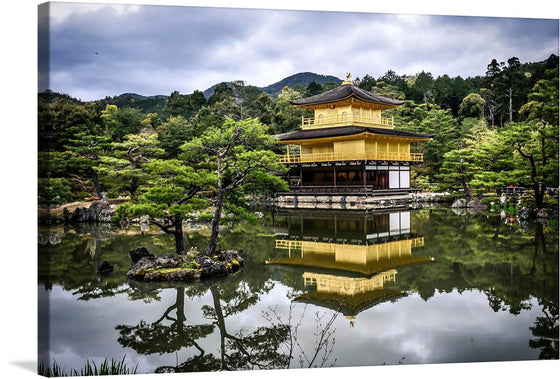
[96, 189]
[215, 224]
[133, 185]
[178, 233]
[218, 212]
[510, 105]
[539, 194]
[467, 190]
[221, 325]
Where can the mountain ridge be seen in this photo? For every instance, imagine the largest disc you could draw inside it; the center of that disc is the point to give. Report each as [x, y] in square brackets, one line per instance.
[273, 90]
[155, 103]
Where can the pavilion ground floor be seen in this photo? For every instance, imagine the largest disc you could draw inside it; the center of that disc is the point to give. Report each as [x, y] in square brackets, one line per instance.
[345, 184]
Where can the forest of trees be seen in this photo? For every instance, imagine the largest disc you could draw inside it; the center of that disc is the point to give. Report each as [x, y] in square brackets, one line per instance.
[490, 131]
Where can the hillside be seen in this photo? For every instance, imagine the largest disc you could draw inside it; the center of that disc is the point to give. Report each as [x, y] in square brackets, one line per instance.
[303, 79]
[146, 104]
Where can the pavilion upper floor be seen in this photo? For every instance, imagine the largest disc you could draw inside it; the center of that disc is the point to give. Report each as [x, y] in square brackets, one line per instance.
[350, 143]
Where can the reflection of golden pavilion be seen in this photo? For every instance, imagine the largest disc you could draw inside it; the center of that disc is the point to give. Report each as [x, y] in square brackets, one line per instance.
[349, 274]
[347, 286]
[364, 259]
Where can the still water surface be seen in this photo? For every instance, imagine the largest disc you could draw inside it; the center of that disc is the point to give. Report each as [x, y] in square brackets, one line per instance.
[324, 288]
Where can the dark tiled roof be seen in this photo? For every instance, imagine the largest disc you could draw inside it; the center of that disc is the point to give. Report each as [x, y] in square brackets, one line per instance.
[344, 92]
[346, 131]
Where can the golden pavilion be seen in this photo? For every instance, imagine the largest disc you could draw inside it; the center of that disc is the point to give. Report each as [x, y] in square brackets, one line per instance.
[348, 147]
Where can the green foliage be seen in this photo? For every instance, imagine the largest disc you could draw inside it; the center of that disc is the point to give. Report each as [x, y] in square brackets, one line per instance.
[167, 183]
[313, 88]
[537, 146]
[439, 123]
[367, 82]
[543, 99]
[472, 106]
[55, 191]
[239, 154]
[173, 133]
[184, 105]
[60, 120]
[241, 149]
[145, 104]
[457, 170]
[120, 122]
[286, 117]
[121, 169]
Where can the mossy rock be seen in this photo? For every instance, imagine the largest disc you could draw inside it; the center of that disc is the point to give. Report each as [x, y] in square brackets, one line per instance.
[186, 267]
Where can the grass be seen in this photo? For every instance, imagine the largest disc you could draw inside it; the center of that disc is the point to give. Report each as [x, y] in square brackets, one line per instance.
[106, 367]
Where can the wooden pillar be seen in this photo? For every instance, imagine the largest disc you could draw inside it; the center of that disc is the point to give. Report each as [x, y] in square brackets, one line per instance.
[300, 177]
[334, 178]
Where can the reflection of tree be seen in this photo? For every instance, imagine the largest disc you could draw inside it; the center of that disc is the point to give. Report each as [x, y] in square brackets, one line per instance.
[157, 337]
[73, 263]
[259, 349]
[237, 350]
[546, 331]
[324, 337]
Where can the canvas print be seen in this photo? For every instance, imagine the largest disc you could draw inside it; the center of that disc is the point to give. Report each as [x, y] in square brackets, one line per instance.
[249, 189]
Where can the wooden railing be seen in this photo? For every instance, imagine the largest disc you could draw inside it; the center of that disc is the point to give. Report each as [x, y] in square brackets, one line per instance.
[345, 119]
[333, 157]
[344, 189]
[328, 247]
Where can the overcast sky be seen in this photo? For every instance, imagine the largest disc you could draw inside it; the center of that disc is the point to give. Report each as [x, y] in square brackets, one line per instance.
[101, 50]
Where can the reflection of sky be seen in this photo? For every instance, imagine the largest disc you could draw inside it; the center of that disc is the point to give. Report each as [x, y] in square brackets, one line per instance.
[449, 327]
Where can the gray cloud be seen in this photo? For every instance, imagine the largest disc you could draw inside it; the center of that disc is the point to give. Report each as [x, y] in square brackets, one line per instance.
[157, 49]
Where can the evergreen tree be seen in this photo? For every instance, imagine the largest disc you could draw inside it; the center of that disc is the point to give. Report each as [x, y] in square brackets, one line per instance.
[286, 117]
[87, 151]
[472, 106]
[168, 195]
[239, 154]
[120, 122]
[121, 169]
[174, 132]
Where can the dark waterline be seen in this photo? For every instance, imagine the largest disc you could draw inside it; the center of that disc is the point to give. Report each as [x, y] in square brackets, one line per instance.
[430, 286]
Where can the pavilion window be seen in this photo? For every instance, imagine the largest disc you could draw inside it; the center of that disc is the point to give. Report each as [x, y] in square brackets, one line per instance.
[323, 177]
[355, 177]
[307, 177]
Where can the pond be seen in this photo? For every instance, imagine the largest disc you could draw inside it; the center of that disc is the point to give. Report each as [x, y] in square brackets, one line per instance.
[318, 289]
